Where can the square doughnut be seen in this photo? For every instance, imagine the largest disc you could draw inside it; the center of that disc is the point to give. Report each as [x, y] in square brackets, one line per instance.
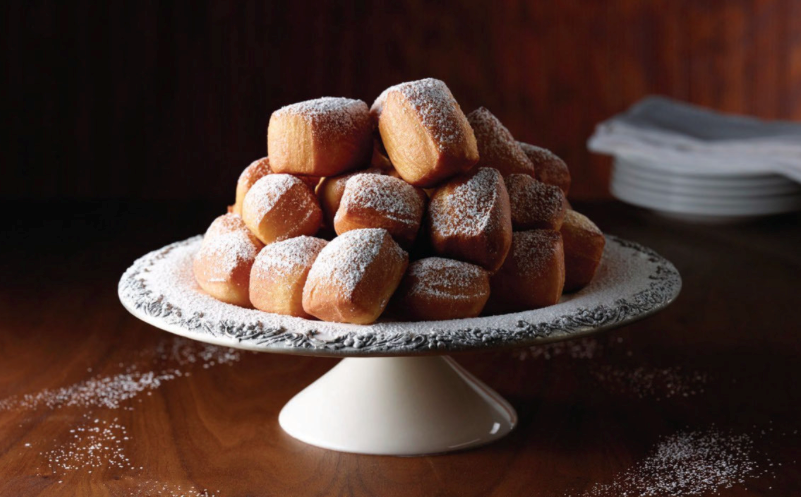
[548, 167]
[496, 146]
[533, 274]
[322, 137]
[354, 277]
[223, 263]
[376, 201]
[254, 172]
[330, 190]
[281, 206]
[425, 133]
[534, 204]
[469, 219]
[279, 274]
[584, 247]
[435, 288]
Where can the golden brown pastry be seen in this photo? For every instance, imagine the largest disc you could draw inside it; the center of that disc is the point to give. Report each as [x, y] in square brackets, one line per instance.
[496, 145]
[354, 276]
[376, 201]
[322, 137]
[533, 274]
[584, 247]
[330, 190]
[437, 288]
[425, 133]
[253, 173]
[548, 167]
[227, 223]
[469, 219]
[280, 206]
[534, 204]
[279, 274]
[379, 158]
[222, 265]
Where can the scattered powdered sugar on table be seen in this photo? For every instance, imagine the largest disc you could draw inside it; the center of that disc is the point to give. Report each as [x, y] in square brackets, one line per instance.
[111, 391]
[389, 197]
[162, 489]
[610, 365]
[496, 145]
[94, 444]
[688, 463]
[466, 208]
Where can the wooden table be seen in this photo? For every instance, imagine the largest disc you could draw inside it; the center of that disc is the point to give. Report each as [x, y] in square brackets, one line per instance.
[724, 359]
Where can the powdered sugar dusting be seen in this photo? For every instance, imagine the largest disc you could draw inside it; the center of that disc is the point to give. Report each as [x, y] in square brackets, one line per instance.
[534, 250]
[533, 203]
[438, 277]
[263, 195]
[222, 254]
[346, 258]
[389, 197]
[688, 463]
[338, 114]
[496, 146]
[466, 208]
[254, 172]
[287, 256]
[225, 224]
[439, 112]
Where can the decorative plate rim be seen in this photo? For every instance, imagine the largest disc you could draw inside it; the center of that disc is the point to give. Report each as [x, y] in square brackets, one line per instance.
[443, 338]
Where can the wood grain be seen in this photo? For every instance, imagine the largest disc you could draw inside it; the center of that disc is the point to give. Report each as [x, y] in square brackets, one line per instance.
[735, 323]
[124, 100]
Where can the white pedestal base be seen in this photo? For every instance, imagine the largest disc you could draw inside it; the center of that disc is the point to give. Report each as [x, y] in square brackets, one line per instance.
[401, 406]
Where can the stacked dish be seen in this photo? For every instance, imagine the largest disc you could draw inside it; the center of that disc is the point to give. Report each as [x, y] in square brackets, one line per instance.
[679, 190]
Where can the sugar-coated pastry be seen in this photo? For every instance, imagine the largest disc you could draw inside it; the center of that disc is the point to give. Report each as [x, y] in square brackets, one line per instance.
[377, 201]
[435, 288]
[253, 173]
[425, 133]
[469, 219]
[584, 247]
[354, 277]
[322, 137]
[227, 223]
[534, 204]
[279, 274]
[496, 145]
[532, 275]
[222, 265]
[280, 206]
[330, 190]
[548, 167]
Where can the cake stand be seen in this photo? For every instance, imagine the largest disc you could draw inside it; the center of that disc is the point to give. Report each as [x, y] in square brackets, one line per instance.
[396, 391]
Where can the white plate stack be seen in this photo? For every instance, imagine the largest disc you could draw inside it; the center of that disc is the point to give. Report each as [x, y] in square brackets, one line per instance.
[694, 163]
[684, 192]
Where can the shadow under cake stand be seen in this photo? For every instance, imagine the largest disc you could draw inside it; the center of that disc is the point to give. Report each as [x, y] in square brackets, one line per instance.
[396, 392]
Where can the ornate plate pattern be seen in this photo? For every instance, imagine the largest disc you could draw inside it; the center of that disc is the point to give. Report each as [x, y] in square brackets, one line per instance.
[633, 282]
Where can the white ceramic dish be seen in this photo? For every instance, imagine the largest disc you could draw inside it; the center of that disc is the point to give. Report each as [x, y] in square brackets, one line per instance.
[394, 393]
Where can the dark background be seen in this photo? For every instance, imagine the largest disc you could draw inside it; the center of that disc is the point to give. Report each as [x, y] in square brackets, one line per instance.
[170, 100]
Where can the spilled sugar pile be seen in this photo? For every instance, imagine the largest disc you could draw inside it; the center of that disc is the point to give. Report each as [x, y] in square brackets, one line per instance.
[93, 445]
[608, 364]
[111, 391]
[153, 488]
[688, 463]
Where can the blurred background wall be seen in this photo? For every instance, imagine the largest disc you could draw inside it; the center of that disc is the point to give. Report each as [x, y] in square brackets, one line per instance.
[159, 100]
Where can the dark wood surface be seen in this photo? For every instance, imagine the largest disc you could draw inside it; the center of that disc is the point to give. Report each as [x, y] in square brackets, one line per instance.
[122, 99]
[725, 356]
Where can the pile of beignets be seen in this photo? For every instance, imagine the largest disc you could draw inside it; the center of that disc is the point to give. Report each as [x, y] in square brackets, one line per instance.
[409, 209]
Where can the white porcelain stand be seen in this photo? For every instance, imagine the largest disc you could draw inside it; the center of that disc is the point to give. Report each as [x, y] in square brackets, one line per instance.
[400, 406]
